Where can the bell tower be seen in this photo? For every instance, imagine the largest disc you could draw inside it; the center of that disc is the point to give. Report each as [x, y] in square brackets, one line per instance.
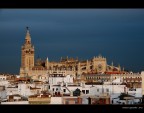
[27, 53]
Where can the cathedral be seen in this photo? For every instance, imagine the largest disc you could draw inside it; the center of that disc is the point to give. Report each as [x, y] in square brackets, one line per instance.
[66, 66]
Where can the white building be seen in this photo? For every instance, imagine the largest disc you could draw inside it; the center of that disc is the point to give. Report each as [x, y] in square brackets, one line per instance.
[56, 100]
[58, 78]
[26, 90]
[2, 77]
[2, 92]
[4, 83]
[68, 88]
[10, 90]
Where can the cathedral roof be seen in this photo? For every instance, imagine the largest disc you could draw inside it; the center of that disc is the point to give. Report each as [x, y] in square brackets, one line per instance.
[114, 72]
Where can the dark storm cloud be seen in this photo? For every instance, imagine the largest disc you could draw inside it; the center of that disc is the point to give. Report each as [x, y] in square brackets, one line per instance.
[117, 34]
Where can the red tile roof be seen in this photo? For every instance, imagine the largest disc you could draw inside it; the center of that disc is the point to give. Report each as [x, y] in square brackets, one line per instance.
[114, 72]
[22, 79]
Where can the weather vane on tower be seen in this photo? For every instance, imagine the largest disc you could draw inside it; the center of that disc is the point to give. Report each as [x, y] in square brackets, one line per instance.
[27, 28]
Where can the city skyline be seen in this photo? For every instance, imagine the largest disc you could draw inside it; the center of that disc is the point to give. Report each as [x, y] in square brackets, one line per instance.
[116, 34]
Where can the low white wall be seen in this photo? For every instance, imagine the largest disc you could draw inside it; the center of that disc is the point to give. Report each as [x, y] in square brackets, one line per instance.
[56, 100]
[16, 102]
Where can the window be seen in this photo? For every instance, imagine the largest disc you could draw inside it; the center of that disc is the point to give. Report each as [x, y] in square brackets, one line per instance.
[53, 89]
[49, 87]
[66, 102]
[87, 91]
[64, 90]
[97, 90]
[107, 90]
[83, 91]
[56, 89]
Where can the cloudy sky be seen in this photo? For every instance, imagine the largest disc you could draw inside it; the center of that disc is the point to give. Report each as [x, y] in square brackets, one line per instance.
[117, 34]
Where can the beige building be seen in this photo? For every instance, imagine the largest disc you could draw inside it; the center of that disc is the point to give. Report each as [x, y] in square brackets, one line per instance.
[39, 99]
[66, 66]
[142, 75]
[131, 80]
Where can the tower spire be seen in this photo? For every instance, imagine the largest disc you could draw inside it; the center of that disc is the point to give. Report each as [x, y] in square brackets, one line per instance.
[27, 31]
[100, 55]
[47, 59]
[27, 38]
[119, 67]
[112, 63]
[27, 56]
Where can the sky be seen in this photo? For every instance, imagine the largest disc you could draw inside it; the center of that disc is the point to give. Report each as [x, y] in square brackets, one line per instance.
[116, 34]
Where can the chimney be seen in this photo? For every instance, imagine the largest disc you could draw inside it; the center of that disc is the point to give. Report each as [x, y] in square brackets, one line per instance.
[124, 89]
[62, 83]
[41, 95]
[11, 93]
[71, 93]
[81, 84]
[79, 100]
[89, 100]
[66, 84]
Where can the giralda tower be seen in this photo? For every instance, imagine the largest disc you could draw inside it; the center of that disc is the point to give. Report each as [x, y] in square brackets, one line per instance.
[27, 54]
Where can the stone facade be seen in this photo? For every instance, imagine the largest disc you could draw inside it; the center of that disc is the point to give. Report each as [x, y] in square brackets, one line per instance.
[66, 66]
[142, 75]
[133, 80]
